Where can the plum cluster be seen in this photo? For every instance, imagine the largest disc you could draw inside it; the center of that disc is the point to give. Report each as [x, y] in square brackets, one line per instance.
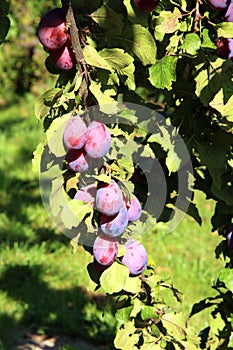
[54, 35]
[83, 143]
[224, 45]
[115, 212]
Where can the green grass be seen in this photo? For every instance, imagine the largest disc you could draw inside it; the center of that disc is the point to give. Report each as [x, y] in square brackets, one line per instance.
[42, 285]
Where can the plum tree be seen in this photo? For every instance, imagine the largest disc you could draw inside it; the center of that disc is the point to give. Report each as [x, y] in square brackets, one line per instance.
[224, 48]
[218, 4]
[229, 13]
[134, 209]
[105, 250]
[64, 58]
[109, 199]
[77, 160]
[52, 29]
[146, 5]
[114, 226]
[135, 257]
[98, 140]
[87, 194]
[75, 133]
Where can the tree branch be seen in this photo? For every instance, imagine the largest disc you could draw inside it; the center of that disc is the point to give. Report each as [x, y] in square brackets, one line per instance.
[81, 63]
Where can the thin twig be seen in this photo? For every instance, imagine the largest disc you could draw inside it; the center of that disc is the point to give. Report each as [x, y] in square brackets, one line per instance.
[197, 16]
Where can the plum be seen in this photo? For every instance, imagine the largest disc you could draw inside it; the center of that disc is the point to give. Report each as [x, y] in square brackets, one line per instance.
[109, 199]
[229, 13]
[87, 194]
[77, 160]
[229, 237]
[218, 4]
[115, 225]
[135, 257]
[105, 250]
[52, 30]
[134, 209]
[99, 139]
[64, 58]
[146, 5]
[98, 267]
[75, 133]
[224, 48]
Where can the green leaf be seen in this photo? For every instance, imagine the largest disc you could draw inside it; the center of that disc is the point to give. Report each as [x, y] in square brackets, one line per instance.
[104, 16]
[36, 166]
[74, 212]
[163, 72]
[116, 58]
[225, 30]
[4, 28]
[132, 285]
[226, 276]
[209, 80]
[175, 325]
[191, 44]
[136, 16]
[148, 312]
[113, 278]
[122, 62]
[173, 160]
[45, 102]
[57, 197]
[220, 103]
[104, 178]
[106, 103]
[121, 250]
[93, 58]
[139, 42]
[137, 306]
[217, 324]
[125, 338]
[127, 76]
[55, 135]
[207, 43]
[123, 315]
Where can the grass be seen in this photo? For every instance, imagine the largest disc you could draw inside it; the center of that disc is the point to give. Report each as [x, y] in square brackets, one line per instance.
[42, 283]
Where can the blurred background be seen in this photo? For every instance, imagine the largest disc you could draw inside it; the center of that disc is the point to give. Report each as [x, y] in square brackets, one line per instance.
[43, 299]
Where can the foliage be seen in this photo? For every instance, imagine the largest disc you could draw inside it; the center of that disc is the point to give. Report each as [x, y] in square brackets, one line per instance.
[165, 60]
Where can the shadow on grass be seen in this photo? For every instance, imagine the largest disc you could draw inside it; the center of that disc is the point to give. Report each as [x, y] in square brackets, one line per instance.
[17, 195]
[73, 312]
